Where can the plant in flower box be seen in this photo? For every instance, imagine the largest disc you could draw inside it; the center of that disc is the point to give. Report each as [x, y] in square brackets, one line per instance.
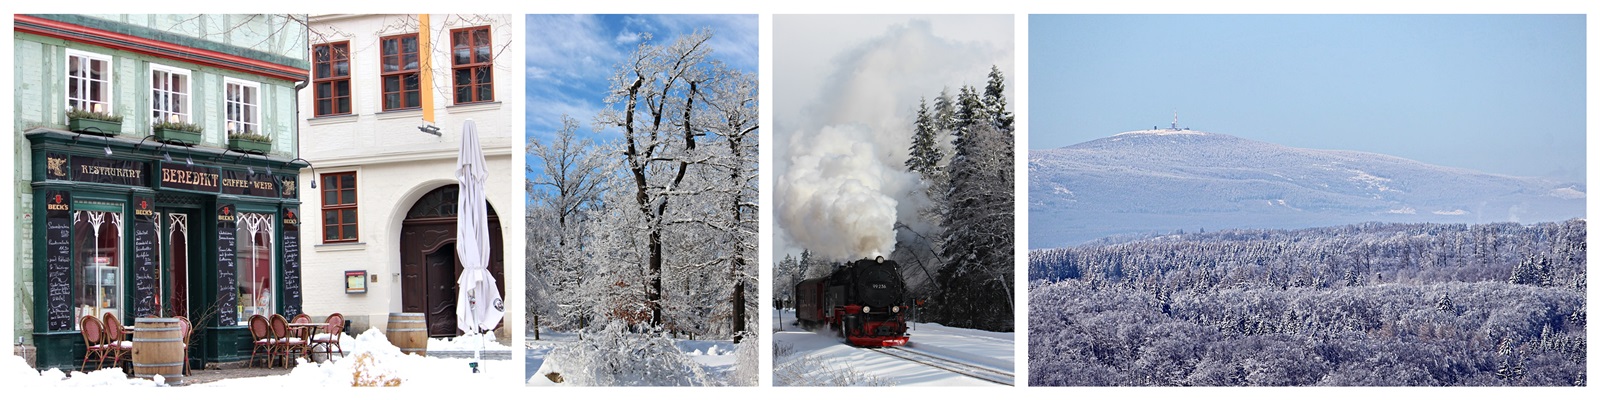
[174, 131]
[250, 142]
[93, 122]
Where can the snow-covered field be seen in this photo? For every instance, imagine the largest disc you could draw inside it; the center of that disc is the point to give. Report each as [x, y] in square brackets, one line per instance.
[717, 358]
[805, 358]
[370, 353]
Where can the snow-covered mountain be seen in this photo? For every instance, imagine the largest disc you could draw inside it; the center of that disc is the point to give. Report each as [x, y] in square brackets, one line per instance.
[1158, 181]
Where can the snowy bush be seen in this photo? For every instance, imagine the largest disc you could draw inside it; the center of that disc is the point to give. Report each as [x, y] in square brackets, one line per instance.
[614, 356]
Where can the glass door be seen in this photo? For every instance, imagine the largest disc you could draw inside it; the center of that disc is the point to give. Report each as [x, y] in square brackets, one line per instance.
[175, 239]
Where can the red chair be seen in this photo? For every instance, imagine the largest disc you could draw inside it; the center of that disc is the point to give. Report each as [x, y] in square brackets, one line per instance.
[329, 339]
[117, 337]
[283, 343]
[93, 335]
[260, 339]
[185, 329]
[301, 318]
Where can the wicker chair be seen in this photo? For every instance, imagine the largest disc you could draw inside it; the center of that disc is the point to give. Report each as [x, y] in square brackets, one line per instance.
[283, 342]
[260, 339]
[116, 337]
[93, 341]
[329, 339]
[300, 318]
[185, 329]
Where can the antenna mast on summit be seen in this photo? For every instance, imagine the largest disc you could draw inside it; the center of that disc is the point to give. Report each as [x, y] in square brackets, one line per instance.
[1174, 119]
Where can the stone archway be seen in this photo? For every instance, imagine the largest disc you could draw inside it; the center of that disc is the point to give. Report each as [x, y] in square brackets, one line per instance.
[428, 264]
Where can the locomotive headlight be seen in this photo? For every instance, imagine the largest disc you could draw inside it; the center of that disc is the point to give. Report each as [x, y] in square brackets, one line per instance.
[866, 309]
[895, 309]
[880, 259]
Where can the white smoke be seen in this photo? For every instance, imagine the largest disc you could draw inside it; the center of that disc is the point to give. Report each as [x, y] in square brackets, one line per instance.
[840, 194]
[842, 182]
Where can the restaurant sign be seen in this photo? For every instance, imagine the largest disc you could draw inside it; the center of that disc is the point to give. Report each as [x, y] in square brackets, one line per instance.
[95, 170]
[196, 178]
[245, 183]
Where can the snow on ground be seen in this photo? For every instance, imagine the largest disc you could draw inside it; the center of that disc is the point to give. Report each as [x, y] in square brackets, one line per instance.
[990, 349]
[386, 362]
[465, 343]
[16, 372]
[383, 362]
[717, 357]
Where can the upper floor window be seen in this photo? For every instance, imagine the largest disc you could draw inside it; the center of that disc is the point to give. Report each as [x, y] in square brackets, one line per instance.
[88, 81]
[472, 64]
[331, 78]
[242, 106]
[401, 88]
[169, 94]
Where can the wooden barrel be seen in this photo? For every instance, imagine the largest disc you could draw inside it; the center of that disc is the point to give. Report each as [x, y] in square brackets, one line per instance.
[158, 349]
[409, 332]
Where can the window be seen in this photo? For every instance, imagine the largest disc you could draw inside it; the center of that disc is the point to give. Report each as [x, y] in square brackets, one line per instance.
[339, 207]
[253, 260]
[88, 82]
[242, 104]
[97, 255]
[401, 87]
[169, 94]
[331, 78]
[472, 65]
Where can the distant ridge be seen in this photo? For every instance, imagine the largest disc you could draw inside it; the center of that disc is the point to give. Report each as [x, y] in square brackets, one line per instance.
[1163, 180]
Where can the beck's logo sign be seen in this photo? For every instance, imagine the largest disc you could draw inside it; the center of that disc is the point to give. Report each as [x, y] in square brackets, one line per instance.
[56, 204]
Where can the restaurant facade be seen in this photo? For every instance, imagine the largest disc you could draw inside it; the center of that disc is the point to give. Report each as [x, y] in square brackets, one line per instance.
[157, 175]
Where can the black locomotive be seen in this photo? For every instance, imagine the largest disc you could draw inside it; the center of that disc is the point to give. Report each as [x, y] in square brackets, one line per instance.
[865, 299]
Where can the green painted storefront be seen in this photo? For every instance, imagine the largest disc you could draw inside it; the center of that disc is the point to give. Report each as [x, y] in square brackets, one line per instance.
[138, 178]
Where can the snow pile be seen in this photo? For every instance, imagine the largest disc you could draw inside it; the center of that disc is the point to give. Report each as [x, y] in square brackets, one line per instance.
[371, 360]
[16, 372]
[467, 342]
[616, 357]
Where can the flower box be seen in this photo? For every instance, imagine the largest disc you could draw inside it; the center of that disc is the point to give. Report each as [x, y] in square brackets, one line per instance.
[94, 126]
[249, 146]
[177, 136]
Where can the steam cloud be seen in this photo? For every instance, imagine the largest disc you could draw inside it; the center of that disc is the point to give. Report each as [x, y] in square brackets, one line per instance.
[842, 181]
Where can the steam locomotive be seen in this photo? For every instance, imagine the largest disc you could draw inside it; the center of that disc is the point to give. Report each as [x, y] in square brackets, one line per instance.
[865, 300]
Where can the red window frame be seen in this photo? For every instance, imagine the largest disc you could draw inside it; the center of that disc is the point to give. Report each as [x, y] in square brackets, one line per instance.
[478, 65]
[401, 74]
[333, 185]
[328, 85]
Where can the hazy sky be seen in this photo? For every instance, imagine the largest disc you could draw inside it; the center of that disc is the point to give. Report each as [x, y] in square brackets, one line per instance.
[1496, 93]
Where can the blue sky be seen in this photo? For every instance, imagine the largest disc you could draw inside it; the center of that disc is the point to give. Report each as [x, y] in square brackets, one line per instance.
[1496, 93]
[571, 57]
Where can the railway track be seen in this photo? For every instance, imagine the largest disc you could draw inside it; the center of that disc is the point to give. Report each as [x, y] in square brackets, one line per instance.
[978, 372]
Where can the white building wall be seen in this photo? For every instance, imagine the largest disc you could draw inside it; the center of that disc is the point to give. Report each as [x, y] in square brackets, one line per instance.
[395, 162]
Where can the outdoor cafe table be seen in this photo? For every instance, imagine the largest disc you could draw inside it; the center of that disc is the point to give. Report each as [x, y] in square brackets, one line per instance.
[309, 329]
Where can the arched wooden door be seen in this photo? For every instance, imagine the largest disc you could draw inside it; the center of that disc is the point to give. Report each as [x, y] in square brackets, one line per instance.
[428, 263]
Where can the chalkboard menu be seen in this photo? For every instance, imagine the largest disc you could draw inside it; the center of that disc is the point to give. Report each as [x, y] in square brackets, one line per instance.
[144, 257]
[58, 260]
[291, 261]
[227, 283]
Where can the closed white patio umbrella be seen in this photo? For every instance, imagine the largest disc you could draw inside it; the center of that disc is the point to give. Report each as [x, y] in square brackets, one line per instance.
[478, 306]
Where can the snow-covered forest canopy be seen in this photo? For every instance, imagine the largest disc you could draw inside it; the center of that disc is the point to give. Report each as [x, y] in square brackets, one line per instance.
[1375, 304]
[960, 262]
[654, 232]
